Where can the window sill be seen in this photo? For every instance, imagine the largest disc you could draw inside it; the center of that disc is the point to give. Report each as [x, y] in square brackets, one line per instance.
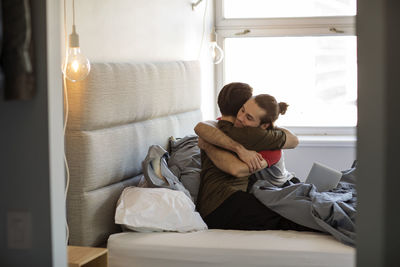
[327, 141]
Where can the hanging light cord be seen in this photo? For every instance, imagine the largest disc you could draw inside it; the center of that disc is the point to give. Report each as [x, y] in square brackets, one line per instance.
[65, 157]
[66, 116]
[73, 12]
[204, 29]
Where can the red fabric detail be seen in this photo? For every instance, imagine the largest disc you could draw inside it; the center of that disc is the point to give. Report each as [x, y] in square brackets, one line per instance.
[271, 156]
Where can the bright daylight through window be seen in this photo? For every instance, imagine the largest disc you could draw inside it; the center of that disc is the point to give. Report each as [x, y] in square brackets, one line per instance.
[303, 52]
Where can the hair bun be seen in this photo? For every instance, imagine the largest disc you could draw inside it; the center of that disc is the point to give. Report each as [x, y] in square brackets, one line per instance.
[282, 107]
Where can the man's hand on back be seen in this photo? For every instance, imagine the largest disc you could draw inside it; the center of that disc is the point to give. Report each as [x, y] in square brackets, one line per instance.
[253, 159]
[227, 161]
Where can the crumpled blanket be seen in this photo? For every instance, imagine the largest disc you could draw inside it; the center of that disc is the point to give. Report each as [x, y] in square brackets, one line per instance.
[331, 212]
[185, 162]
[156, 172]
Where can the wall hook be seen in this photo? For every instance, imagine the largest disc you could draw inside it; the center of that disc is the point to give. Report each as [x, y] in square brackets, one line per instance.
[196, 4]
[333, 29]
[243, 32]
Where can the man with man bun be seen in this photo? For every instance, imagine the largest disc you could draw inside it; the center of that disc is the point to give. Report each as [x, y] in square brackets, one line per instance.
[223, 201]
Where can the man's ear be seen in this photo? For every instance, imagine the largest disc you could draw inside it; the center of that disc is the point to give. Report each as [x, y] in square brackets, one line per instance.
[264, 126]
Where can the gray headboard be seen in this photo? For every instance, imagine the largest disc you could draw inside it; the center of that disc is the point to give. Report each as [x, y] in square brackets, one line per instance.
[115, 114]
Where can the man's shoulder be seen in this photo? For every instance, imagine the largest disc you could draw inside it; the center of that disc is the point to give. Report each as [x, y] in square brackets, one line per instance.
[222, 123]
[228, 126]
[225, 126]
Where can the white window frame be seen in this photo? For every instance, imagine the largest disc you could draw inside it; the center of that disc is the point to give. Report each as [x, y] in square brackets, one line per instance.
[273, 27]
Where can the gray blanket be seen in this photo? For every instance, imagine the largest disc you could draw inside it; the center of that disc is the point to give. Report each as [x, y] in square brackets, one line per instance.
[157, 173]
[330, 212]
[185, 162]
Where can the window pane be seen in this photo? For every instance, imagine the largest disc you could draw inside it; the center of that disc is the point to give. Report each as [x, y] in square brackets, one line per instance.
[288, 8]
[316, 76]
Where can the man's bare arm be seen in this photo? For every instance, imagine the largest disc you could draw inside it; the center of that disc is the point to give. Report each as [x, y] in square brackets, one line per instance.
[226, 161]
[291, 139]
[210, 133]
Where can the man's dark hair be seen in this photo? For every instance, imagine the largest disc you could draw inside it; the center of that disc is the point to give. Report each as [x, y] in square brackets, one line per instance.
[232, 97]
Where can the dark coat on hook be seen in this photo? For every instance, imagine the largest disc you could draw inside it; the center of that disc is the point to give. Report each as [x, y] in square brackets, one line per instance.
[17, 72]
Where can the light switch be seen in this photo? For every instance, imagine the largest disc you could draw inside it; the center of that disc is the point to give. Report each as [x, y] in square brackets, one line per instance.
[19, 230]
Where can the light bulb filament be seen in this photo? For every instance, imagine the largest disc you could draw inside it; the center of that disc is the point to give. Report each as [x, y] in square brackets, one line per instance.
[75, 65]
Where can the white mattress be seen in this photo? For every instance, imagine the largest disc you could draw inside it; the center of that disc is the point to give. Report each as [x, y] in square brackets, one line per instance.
[228, 248]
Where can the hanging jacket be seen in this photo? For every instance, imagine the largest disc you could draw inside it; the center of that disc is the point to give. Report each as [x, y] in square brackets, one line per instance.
[17, 50]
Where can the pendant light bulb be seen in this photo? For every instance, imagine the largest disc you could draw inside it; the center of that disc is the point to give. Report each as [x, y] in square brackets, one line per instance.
[77, 65]
[217, 54]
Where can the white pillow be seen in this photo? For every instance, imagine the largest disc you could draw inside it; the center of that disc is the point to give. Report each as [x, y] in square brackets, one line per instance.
[157, 209]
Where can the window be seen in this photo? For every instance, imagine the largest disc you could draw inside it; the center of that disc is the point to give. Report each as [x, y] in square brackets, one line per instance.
[303, 52]
[288, 8]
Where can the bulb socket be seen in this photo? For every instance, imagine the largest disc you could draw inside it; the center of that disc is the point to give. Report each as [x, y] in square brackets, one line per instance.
[73, 38]
[213, 37]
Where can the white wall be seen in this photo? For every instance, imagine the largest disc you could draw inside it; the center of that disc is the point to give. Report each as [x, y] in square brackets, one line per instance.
[147, 30]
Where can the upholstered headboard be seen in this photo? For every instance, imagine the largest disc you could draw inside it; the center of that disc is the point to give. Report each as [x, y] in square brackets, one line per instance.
[115, 114]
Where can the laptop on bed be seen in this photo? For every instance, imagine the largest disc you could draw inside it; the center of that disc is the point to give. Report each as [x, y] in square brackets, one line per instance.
[323, 177]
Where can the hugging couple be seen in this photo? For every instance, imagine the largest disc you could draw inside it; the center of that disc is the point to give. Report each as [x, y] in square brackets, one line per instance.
[243, 141]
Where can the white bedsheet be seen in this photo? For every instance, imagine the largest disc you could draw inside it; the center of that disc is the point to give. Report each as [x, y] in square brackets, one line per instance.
[228, 248]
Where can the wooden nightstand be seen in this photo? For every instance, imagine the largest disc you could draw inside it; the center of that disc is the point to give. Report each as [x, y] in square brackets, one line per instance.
[87, 257]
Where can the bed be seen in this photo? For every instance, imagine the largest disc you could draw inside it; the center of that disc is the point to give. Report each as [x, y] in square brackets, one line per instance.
[114, 116]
